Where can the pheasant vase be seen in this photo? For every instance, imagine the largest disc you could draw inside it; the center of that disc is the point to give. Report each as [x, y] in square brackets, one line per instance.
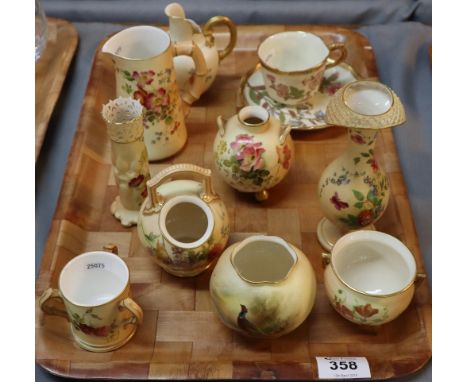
[263, 287]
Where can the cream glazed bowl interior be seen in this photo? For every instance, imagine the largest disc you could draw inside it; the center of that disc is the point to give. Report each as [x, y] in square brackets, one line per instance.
[369, 277]
[263, 287]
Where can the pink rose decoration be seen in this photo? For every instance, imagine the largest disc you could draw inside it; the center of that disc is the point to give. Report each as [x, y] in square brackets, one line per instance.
[248, 153]
[143, 78]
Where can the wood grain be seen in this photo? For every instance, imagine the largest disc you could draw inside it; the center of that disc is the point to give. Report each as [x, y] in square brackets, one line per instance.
[51, 69]
[181, 337]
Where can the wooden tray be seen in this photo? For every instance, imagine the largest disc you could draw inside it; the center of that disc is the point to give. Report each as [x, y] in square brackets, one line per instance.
[181, 337]
[51, 70]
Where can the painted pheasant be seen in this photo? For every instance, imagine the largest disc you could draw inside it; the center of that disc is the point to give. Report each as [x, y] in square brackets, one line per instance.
[245, 324]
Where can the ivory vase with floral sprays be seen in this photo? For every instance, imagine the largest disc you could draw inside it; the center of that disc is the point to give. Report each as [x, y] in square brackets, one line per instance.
[124, 119]
[253, 152]
[354, 189]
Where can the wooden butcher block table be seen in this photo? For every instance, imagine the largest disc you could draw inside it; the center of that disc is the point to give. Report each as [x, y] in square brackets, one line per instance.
[181, 337]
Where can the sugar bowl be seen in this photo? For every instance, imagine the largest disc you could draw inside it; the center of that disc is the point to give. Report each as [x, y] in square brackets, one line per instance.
[370, 277]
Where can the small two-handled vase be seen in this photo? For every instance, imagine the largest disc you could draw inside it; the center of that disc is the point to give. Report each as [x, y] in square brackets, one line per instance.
[253, 152]
[370, 277]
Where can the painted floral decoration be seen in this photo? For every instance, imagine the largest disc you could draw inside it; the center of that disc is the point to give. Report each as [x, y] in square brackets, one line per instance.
[78, 323]
[246, 161]
[284, 156]
[154, 91]
[339, 204]
[284, 91]
[362, 314]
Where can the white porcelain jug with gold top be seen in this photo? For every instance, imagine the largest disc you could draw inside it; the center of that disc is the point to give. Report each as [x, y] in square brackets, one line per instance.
[144, 70]
[183, 221]
[183, 30]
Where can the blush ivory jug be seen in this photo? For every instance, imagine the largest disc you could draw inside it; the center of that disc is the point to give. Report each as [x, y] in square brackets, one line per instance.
[183, 30]
[144, 70]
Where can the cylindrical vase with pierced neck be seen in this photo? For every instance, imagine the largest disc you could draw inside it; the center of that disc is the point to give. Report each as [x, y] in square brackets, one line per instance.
[124, 119]
[354, 190]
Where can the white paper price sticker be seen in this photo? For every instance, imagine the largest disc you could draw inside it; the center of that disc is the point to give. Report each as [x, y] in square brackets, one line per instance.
[343, 367]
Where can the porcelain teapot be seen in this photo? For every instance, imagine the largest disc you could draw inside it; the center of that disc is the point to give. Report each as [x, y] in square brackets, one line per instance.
[183, 221]
[183, 30]
[253, 151]
[144, 70]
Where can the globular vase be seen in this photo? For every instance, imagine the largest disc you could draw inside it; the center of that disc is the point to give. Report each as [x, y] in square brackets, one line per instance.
[183, 221]
[354, 189]
[253, 151]
[263, 287]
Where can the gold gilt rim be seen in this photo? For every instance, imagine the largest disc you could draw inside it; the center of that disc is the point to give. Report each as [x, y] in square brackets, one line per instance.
[242, 101]
[347, 86]
[338, 113]
[330, 262]
[293, 72]
[117, 297]
[413, 279]
[290, 247]
[254, 124]
[137, 59]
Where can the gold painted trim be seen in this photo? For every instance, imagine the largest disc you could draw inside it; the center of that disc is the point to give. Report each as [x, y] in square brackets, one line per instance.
[231, 255]
[116, 55]
[254, 124]
[242, 101]
[401, 291]
[125, 289]
[304, 71]
[347, 86]
[208, 32]
[172, 241]
[338, 113]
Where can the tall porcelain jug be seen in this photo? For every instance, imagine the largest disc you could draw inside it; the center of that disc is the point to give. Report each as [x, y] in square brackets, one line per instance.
[183, 30]
[144, 70]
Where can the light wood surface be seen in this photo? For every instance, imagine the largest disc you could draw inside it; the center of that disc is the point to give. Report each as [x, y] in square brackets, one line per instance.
[51, 69]
[181, 337]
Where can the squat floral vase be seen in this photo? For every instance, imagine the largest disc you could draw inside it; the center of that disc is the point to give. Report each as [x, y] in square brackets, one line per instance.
[253, 152]
[354, 190]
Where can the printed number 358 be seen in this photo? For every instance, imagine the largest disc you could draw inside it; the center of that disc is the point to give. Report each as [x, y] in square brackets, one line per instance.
[343, 365]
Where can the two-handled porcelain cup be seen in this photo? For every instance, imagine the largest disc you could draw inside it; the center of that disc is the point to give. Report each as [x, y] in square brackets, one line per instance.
[369, 277]
[94, 289]
[293, 64]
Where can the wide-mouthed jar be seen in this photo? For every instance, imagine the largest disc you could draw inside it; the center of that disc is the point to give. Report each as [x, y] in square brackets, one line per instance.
[263, 287]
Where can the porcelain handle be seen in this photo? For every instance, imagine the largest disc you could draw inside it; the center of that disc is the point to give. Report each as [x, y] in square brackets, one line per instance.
[331, 62]
[326, 258]
[196, 88]
[221, 122]
[111, 248]
[420, 277]
[208, 32]
[49, 295]
[135, 310]
[284, 132]
[181, 170]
